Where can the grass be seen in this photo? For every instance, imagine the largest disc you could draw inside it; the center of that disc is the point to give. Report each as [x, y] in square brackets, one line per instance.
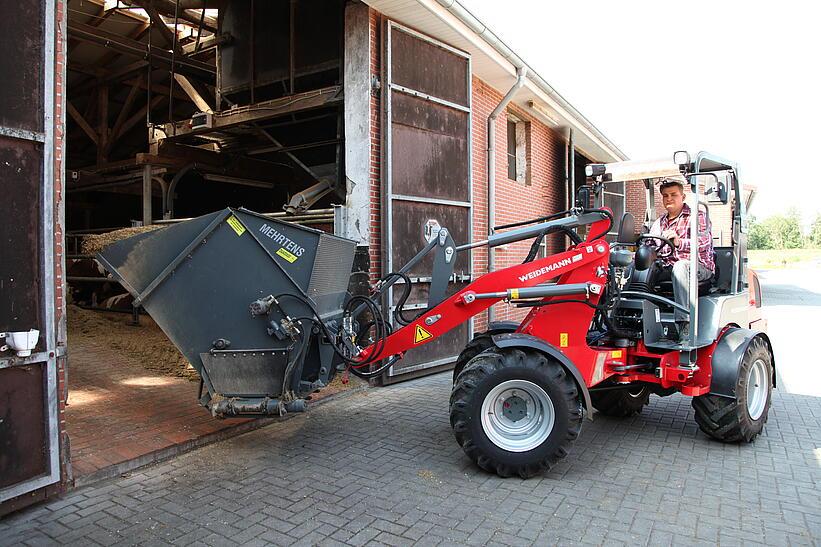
[781, 258]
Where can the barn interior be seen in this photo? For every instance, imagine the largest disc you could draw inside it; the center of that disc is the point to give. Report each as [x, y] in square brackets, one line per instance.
[177, 108]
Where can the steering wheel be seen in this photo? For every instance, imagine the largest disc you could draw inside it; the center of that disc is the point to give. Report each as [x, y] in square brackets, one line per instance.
[664, 240]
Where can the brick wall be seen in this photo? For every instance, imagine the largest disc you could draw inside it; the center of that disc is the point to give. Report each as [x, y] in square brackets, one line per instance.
[635, 202]
[514, 200]
[59, 224]
[375, 249]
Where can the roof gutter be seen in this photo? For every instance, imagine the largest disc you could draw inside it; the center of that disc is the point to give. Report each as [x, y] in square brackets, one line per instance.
[457, 10]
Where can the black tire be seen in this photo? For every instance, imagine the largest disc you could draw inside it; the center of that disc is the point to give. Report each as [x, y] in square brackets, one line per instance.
[486, 372]
[480, 343]
[728, 419]
[621, 403]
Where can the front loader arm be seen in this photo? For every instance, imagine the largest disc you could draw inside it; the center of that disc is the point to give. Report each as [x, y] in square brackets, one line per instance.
[513, 283]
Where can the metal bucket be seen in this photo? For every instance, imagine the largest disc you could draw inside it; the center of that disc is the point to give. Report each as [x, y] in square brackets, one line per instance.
[197, 278]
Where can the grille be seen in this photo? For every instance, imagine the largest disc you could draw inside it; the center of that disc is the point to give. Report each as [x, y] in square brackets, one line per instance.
[331, 272]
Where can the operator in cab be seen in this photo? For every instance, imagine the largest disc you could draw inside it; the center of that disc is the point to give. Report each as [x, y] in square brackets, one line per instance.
[675, 226]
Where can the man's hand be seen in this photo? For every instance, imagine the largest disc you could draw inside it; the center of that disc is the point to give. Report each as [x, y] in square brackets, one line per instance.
[672, 236]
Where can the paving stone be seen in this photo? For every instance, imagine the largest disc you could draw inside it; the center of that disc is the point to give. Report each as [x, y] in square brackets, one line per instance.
[382, 468]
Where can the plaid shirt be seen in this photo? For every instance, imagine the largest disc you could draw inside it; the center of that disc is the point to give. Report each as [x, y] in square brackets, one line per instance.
[681, 225]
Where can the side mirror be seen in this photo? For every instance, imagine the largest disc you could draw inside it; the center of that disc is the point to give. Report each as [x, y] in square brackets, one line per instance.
[645, 255]
[721, 192]
[717, 192]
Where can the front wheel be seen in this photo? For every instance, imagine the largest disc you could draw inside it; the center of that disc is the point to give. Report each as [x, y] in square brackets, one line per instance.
[476, 346]
[515, 411]
[741, 418]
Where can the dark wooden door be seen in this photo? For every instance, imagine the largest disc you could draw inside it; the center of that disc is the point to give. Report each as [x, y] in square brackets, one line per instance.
[28, 384]
[427, 172]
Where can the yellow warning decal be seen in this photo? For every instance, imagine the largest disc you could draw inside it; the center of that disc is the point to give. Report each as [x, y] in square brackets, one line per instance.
[514, 294]
[421, 335]
[234, 223]
[563, 340]
[615, 354]
[284, 253]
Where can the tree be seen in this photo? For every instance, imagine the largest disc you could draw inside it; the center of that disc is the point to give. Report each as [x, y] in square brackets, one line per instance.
[814, 238]
[785, 230]
[758, 236]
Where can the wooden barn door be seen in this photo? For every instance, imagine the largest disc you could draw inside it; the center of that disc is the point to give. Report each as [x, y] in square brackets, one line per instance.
[427, 166]
[29, 452]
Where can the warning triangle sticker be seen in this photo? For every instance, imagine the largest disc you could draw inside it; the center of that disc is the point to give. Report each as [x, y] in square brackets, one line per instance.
[421, 335]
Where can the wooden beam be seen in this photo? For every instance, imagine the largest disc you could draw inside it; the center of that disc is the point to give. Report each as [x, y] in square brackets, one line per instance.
[167, 7]
[74, 66]
[140, 114]
[207, 43]
[111, 56]
[195, 90]
[156, 88]
[158, 22]
[116, 131]
[102, 122]
[198, 100]
[264, 110]
[102, 63]
[126, 70]
[219, 162]
[127, 46]
[77, 117]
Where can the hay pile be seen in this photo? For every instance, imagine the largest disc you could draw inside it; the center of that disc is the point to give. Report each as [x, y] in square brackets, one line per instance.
[145, 344]
[95, 243]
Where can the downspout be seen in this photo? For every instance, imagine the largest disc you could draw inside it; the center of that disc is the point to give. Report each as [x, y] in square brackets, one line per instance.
[521, 73]
[571, 162]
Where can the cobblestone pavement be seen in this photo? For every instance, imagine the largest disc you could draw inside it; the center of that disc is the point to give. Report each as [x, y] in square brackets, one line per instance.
[382, 467]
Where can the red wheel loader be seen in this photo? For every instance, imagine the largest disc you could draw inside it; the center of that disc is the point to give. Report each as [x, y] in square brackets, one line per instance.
[260, 308]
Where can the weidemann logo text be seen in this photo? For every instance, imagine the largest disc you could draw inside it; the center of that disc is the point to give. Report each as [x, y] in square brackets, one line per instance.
[549, 268]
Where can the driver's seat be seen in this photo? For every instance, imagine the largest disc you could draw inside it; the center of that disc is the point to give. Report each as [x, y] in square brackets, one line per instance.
[665, 285]
[626, 236]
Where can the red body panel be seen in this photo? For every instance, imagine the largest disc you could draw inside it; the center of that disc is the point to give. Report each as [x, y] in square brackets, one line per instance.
[564, 325]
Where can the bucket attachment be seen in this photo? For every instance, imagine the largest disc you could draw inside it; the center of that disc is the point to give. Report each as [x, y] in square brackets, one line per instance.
[197, 280]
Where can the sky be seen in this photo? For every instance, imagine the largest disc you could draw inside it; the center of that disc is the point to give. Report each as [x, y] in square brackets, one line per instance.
[738, 79]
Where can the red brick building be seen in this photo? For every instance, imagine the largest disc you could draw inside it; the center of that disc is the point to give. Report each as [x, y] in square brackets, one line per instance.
[421, 79]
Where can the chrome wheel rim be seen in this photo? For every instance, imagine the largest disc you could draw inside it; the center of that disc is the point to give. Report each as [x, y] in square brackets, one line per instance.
[517, 415]
[757, 389]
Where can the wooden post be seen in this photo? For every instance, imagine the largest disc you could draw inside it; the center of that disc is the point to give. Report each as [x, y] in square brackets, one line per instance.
[102, 124]
[146, 195]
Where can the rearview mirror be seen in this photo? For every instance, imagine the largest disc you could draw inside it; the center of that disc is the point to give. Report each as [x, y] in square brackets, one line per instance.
[715, 189]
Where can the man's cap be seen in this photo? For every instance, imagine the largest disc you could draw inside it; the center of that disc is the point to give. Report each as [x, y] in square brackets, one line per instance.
[672, 181]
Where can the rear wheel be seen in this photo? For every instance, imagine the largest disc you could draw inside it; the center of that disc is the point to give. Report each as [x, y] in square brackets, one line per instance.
[741, 418]
[621, 402]
[515, 411]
